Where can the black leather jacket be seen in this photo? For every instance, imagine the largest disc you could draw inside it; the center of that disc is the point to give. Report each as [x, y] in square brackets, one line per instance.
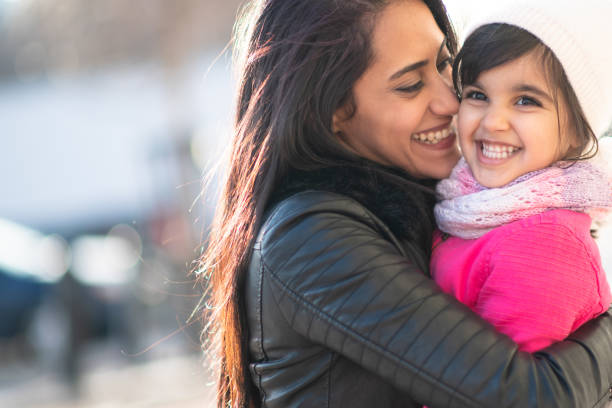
[339, 314]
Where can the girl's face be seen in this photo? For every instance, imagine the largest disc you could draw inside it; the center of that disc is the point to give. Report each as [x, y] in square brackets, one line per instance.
[405, 101]
[508, 123]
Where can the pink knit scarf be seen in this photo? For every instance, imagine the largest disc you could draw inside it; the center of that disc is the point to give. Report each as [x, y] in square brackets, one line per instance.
[469, 210]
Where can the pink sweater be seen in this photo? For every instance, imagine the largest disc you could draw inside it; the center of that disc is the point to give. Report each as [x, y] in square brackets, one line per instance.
[536, 279]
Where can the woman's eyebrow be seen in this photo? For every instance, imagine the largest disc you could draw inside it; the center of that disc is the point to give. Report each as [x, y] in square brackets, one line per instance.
[442, 45]
[416, 65]
[408, 68]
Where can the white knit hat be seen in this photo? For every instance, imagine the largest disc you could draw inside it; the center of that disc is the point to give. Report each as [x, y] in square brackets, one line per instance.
[580, 36]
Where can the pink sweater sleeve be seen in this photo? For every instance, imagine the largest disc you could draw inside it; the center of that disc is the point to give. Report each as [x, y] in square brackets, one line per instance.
[542, 283]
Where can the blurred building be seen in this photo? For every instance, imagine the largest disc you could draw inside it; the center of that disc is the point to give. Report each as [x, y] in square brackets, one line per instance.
[110, 113]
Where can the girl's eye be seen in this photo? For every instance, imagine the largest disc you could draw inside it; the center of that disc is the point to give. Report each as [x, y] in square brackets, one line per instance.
[411, 88]
[528, 101]
[476, 95]
[444, 63]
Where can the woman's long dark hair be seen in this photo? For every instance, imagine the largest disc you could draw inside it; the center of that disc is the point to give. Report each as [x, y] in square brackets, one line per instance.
[297, 63]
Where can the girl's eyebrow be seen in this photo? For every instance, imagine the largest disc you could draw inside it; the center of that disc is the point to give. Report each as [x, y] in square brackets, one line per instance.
[474, 85]
[532, 89]
[418, 64]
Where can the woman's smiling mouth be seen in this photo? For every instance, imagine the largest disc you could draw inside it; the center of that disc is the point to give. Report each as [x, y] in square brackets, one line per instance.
[433, 137]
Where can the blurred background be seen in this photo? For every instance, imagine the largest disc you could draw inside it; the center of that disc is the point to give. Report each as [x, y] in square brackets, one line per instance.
[111, 112]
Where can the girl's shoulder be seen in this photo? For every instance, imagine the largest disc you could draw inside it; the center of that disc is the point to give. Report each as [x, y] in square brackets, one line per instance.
[573, 222]
[538, 226]
[560, 231]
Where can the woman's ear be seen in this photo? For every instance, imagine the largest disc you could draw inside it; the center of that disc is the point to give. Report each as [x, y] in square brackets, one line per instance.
[337, 122]
[341, 127]
[339, 119]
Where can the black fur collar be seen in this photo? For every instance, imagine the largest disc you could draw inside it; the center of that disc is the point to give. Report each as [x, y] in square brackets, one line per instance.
[403, 203]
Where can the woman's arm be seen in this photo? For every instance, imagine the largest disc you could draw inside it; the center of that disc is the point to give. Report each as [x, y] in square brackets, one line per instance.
[340, 283]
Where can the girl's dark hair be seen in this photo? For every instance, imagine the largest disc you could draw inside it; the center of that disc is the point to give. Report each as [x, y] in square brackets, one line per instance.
[492, 45]
[297, 61]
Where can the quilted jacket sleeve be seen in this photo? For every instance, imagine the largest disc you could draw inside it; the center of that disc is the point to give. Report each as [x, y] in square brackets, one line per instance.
[341, 282]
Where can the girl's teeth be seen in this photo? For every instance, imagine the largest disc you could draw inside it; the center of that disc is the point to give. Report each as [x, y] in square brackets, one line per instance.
[432, 137]
[497, 151]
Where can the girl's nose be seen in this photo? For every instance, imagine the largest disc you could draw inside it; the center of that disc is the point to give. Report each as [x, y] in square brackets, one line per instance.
[495, 119]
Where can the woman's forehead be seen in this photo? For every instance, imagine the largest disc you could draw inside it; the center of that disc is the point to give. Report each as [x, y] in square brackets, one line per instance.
[406, 32]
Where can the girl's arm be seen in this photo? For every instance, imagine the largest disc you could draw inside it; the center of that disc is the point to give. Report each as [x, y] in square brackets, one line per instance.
[340, 283]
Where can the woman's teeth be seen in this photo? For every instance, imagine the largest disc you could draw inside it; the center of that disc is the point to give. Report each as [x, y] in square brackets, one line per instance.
[497, 151]
[432, 137]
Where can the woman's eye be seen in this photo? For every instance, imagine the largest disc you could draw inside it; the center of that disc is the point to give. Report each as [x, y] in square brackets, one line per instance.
[476, 95]
[528, 101]
[444, 63]
[410, 88]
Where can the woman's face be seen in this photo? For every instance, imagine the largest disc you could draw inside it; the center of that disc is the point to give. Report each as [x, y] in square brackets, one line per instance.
[405, 101]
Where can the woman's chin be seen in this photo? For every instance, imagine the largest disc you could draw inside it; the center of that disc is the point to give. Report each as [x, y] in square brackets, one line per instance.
[442, 168]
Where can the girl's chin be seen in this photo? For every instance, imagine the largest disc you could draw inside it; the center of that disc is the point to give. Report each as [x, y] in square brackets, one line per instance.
[490, 178]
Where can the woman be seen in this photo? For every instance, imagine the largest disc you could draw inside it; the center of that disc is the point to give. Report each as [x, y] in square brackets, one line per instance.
[318, 255]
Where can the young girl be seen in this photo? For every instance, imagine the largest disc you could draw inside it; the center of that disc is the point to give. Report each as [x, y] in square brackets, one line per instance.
[515, 214]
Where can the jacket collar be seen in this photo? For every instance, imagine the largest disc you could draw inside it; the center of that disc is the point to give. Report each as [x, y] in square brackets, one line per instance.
[402, 202]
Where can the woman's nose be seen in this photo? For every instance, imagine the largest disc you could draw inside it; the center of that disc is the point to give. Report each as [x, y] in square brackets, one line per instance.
[444, 101]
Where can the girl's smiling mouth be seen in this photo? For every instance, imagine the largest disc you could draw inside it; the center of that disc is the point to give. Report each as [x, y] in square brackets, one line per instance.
[494, 151]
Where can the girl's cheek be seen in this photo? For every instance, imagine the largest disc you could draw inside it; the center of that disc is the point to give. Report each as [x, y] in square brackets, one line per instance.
[464, 122]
